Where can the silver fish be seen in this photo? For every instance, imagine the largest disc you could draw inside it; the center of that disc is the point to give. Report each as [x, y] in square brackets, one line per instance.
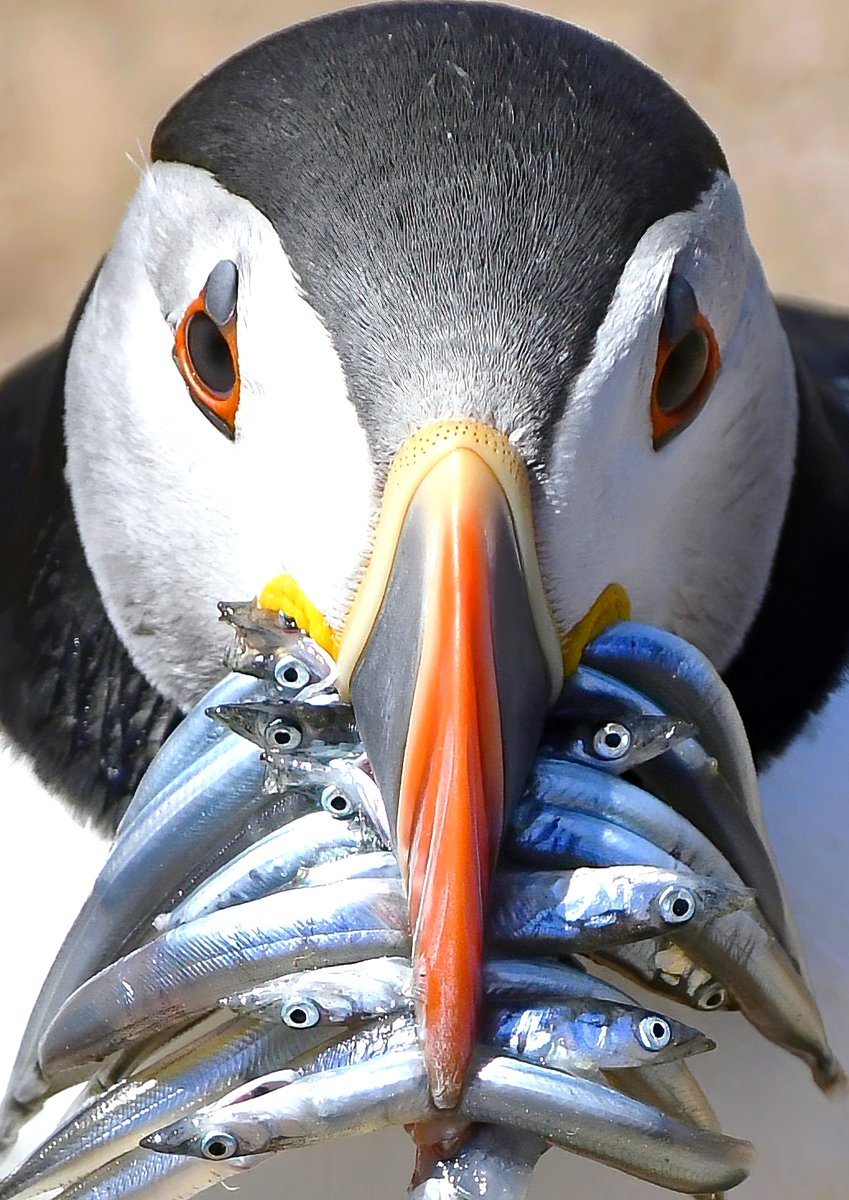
[385, 985]
[341, 784]
[316, 730]
[663, 967]
[616, 745]
[184, 972]
[678, 676]
[670, 1087]
[497, 1162]
[511, 979]
[769, 989]
[590, 907]
[689, 780]
[391, 1088]
[378, 987]
[147, 866]
[270, 645]
[288, 1110]
[600, 1122]
[589, 1036]
[272, 863]
[194, 736]
[557, 785]
[552, 835]
[110, 1123]
[155, 1177]
[373, 864]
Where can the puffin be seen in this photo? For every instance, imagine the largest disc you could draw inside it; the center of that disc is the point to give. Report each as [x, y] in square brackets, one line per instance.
[439, 322]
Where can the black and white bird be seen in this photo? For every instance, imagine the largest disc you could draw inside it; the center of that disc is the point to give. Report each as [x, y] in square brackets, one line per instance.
[501, 246]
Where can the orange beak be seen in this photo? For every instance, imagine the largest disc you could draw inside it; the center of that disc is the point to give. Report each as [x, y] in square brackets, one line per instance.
[451, 660]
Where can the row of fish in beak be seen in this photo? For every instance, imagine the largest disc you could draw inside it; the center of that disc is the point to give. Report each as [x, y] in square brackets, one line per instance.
[239, 981]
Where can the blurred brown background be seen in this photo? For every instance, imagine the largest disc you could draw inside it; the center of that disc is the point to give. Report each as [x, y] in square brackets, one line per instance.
[82, 83]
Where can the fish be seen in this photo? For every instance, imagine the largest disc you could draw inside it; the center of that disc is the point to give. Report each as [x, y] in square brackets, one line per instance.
[109, 1123]
[184, 972]
[146, 866]
[771, 992]
[615, 746]
[291, 1110]
[496, 1162]
[663, 967]
[601, 1122]
[689, 780]
[191, 740]
[553, 835]
[583, 909]
[555, 786]
[382, 986]
[269, 645]
[149, 1176]
[340, 784]
[677, 675]
[315, 730]
[589, 1036]
[272, 863]
[391, 1088]
[671, 1087]
[378, 987]
[373, 864]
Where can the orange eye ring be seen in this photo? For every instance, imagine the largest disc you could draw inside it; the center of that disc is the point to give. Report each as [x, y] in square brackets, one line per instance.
[207, 356]
[684, 377]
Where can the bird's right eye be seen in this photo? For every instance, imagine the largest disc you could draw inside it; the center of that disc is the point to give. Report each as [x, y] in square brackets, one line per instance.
[205, 348]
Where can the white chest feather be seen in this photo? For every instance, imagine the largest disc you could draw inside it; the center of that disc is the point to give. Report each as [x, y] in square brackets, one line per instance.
[47, 865]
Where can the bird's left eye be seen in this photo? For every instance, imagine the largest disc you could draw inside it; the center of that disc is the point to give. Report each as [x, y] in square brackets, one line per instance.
[205, 348]
[687, 363]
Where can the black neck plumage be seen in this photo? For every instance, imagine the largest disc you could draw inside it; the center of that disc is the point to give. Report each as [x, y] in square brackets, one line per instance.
[70, 696]
[796, 652]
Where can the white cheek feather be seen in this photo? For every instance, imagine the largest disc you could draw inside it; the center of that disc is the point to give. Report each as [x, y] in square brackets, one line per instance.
[691, 529]
[173, 516]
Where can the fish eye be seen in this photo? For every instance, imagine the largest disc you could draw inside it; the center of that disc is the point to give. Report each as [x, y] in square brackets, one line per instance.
[291, 674]
[676, 905]
[611, 741]
[218, 1145]
[653, 1033]
[337, 803]
[711, 995]
[283, 735]
[205, 348]
[688, 362]
[300, 1014]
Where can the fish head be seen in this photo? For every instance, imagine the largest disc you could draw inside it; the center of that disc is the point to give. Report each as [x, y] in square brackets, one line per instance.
[684, 898]
[656, 1038]
[210, 1137]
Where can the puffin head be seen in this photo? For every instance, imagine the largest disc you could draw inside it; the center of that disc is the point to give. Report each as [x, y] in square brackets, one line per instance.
[448, 312]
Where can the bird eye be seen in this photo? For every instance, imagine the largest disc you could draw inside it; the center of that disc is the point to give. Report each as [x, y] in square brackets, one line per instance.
[687, 363]
[205, 348]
